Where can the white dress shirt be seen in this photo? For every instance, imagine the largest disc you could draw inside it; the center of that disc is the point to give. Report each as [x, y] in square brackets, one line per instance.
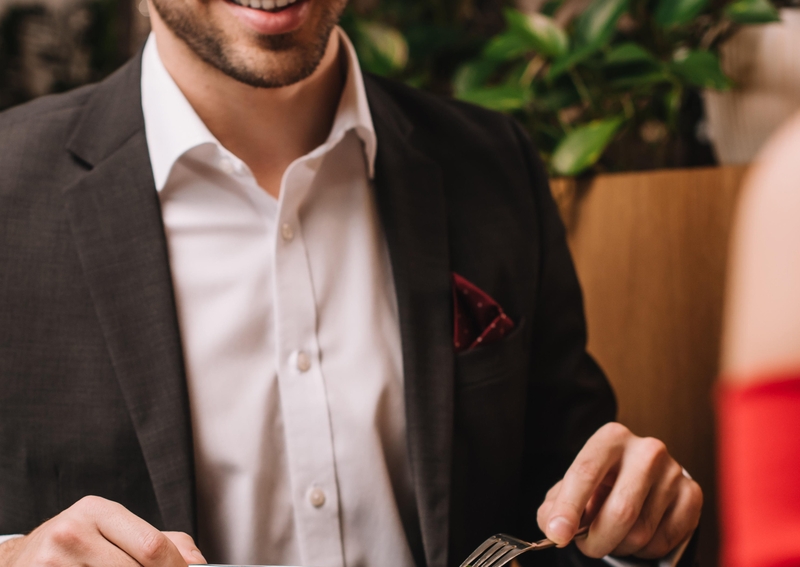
[291, 340]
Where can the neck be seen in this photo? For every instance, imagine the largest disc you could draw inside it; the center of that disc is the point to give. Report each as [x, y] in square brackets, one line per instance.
[266, 128]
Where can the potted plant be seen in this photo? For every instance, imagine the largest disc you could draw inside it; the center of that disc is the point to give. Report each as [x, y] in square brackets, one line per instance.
[616, 88]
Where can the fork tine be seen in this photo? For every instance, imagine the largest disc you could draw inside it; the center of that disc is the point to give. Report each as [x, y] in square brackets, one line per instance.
[482, 559]
[479, 551]
[494, 555]
[508, 557]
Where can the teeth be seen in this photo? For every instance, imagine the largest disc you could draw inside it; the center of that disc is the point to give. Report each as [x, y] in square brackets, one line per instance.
[265, 4]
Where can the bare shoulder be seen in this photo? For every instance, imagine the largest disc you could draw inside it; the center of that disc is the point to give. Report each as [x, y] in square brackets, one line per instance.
[762, 330]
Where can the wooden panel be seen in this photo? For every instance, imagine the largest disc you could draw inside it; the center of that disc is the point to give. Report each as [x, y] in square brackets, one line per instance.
[650, 250]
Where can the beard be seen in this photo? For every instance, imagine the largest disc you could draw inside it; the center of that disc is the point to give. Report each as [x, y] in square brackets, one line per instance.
[270, 61]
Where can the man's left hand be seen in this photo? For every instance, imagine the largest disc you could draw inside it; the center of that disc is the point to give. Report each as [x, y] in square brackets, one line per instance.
[630, 491]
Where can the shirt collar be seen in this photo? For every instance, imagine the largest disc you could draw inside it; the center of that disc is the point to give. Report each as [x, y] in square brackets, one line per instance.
[173, 128]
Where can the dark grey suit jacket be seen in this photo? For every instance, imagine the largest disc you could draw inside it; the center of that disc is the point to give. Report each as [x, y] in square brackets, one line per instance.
[93, 395]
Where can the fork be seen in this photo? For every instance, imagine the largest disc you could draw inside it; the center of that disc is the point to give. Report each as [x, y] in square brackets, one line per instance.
[501, 548]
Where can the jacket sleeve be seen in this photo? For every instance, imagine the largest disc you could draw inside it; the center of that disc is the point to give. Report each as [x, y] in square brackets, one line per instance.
[569, 397]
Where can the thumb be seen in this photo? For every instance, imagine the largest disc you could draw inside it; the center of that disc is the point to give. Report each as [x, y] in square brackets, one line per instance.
[561, 523]
[187, 548]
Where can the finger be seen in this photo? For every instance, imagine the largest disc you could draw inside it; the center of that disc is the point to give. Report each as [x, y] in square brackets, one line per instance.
[65, 541]
[642, 464]
[601, 453]
[679, 521]
[131, 534]
[597, 500]
[103, 553]
[543, 513]
[662, 496]
[187, 548]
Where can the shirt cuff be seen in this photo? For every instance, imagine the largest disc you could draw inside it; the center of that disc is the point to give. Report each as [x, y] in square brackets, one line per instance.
[5, 538]
[670, 560]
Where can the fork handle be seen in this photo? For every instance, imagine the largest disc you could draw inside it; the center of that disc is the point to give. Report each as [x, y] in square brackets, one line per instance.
[546, 543]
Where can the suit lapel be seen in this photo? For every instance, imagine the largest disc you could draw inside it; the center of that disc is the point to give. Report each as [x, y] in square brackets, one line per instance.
[116, 222]
[412, 207]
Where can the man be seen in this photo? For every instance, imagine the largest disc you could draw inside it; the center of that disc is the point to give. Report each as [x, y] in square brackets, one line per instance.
[236, 279]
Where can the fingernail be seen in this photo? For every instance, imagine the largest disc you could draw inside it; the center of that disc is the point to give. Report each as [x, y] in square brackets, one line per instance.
[199, 556]
[560, 529]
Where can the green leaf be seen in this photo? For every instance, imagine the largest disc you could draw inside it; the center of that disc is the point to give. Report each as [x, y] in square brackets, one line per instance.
[505, 98]
[752, 12]
[628, 53]
[678, 12]
[568, 61]
[583, 146]
[594, 29]
[542, 33]
[473, 75]
[382, 49]
[506, 47]
[597, 24]
[701, 69]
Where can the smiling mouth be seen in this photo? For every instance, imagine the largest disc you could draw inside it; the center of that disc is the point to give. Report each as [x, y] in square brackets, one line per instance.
[266, 5]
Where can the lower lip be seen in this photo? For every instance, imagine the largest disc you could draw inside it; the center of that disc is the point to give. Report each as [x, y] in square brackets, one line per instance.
[273, 23]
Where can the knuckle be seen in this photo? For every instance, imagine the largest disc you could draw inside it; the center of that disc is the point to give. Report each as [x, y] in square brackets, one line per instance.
[553, 491]
[696, 494]
[89, 504]
[653, 449]
[639, 537]
[622, 513]
[675, 472]
[154, 546]
[65, 534]
[615, 430]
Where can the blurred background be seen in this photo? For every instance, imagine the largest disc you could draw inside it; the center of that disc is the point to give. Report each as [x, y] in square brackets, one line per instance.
[646, 112]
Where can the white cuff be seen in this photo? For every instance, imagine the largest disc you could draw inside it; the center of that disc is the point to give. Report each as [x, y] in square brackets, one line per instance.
[5, 538]
[670, 560]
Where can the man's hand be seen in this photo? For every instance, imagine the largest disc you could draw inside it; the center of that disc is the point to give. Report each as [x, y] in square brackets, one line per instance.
[99, 533]
[632, 493]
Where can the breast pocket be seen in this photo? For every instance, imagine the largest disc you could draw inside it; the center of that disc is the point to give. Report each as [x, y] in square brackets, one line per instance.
[492, 364]
[490, 397]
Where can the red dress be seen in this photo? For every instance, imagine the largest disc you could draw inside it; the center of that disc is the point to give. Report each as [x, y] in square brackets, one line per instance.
[759, 469]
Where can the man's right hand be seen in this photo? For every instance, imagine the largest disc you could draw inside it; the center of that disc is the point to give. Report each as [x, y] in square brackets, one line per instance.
[95, 532]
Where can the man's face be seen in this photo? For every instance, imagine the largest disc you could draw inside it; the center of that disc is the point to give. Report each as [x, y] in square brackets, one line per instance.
[268, 48]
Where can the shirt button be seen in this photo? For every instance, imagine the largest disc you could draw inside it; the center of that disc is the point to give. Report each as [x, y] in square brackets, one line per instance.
[317, 497]
[303, 361]
[287, 232]
[226, 165]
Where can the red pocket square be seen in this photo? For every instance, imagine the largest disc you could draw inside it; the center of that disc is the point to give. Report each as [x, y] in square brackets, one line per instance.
[478, 319]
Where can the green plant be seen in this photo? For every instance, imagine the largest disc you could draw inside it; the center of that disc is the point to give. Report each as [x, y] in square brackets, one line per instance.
[615, 87]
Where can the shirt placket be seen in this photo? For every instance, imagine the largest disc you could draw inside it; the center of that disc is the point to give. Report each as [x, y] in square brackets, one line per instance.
[304, 402]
